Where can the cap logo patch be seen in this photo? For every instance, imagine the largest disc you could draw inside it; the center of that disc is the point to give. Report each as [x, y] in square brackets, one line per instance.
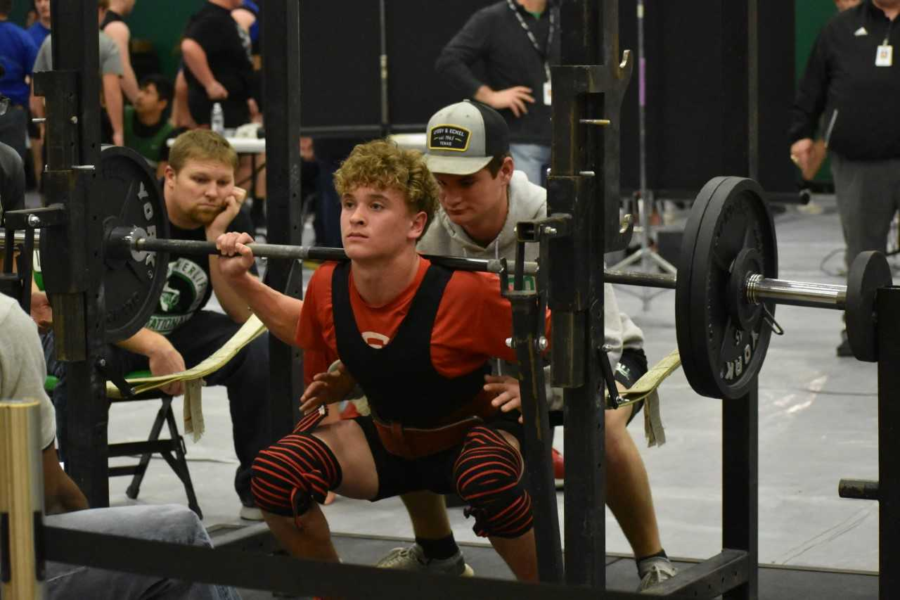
[449, 137]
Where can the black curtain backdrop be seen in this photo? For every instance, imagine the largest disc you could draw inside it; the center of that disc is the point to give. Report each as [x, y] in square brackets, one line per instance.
[340, 44]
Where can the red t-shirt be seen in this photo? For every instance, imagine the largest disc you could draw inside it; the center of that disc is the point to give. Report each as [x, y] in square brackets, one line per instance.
[472, 323]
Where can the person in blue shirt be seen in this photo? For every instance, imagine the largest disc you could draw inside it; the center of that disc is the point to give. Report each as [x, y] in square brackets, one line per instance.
[41, 28]
[247, 16]
[17, 54]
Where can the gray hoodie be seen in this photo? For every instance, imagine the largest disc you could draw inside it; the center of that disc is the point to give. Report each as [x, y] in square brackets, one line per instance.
[527, 201]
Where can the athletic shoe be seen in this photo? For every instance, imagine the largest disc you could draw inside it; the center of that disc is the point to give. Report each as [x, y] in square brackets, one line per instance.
[251, 513]
[657, 571]
[559, 469]
[249, 510]
[412, 558]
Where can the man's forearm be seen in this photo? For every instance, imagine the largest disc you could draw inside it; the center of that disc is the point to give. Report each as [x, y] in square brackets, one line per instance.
[483, 94]
[280, 313]
[61, 495]
[195, 59]
[129, 83]
[468, 46]
[112, 94]
[232, 302]
[459, 75]
[145, 342]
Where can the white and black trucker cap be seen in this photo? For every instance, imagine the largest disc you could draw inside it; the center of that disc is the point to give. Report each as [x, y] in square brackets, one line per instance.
[464, 137]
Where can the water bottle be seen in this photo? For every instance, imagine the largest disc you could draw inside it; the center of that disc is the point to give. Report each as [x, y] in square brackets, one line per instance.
[217, 121]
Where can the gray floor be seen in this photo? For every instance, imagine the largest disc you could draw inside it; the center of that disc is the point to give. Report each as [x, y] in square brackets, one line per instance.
[775, 583]
[817, 425]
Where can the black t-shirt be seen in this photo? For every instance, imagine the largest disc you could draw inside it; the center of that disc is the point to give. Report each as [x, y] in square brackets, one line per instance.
[227, 50]
[111, 17]
[12, 180]
[188, 285]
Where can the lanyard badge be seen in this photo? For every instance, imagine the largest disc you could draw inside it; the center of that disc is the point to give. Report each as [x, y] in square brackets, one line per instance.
[885, 56]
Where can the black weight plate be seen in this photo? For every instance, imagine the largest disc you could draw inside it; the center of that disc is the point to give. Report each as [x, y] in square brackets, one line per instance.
[720, 357]
[869, 271]
[131, 198]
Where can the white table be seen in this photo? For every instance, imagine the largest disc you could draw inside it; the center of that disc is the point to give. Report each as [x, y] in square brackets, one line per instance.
[247, 145]
[412, 141]
[242, 145]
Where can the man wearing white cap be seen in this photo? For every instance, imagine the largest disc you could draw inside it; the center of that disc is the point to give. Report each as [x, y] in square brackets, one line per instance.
[482, 199]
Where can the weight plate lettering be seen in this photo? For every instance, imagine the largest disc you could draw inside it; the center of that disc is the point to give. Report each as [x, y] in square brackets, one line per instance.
[723, 346]
[131, 198]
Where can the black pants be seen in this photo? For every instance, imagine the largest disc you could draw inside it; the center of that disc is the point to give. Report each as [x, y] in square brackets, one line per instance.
[245, 376]
[14, 129]
[234, 110]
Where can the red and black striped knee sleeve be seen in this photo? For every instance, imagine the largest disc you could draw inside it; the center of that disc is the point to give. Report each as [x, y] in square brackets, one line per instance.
[309, 422]
[292, 473]
[488, 477]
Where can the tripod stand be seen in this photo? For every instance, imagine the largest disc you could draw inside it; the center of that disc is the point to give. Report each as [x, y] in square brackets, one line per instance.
[646, 256]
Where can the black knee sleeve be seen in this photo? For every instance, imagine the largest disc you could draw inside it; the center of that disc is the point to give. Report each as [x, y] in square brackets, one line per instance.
[488, 477]
[293, 473]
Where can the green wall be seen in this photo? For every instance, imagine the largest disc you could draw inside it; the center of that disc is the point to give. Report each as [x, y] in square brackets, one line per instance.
[20, 8]
[160, 22]
[810, 17]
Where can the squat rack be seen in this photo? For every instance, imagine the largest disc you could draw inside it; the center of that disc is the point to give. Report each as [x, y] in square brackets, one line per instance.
[584, 174]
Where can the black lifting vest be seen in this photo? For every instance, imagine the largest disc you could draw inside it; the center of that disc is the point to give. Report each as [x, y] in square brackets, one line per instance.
[399, 380]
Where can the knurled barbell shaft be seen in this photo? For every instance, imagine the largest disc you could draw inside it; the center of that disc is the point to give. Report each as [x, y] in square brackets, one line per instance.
[652, 280]
[797, 293]
[148, 244]
[779, 291]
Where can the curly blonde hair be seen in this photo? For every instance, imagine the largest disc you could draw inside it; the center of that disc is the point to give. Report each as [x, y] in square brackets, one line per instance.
[384, 165]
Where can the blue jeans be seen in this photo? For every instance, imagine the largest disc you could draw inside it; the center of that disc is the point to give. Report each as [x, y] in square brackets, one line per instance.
[168, 523]
[533, 160]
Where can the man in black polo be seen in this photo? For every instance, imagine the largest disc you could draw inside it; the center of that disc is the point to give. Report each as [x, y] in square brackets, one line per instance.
[853, 79]
[517, 40]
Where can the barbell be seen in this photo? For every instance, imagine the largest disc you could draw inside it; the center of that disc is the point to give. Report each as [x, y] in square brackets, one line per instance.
[727, 288]
[725, 291]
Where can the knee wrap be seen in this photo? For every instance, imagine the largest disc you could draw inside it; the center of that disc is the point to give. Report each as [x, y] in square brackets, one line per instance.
[488, 477]
[289, 475]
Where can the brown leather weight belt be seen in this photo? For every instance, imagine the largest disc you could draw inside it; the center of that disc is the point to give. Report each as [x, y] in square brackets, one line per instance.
[417, 442]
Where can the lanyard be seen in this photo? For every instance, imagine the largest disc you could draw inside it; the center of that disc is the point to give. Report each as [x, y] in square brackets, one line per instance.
[542, 53]
[890, 27]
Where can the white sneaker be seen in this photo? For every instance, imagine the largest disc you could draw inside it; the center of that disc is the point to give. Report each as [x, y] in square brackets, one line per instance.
[413, 558]
[657, 571]
[251, 513]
